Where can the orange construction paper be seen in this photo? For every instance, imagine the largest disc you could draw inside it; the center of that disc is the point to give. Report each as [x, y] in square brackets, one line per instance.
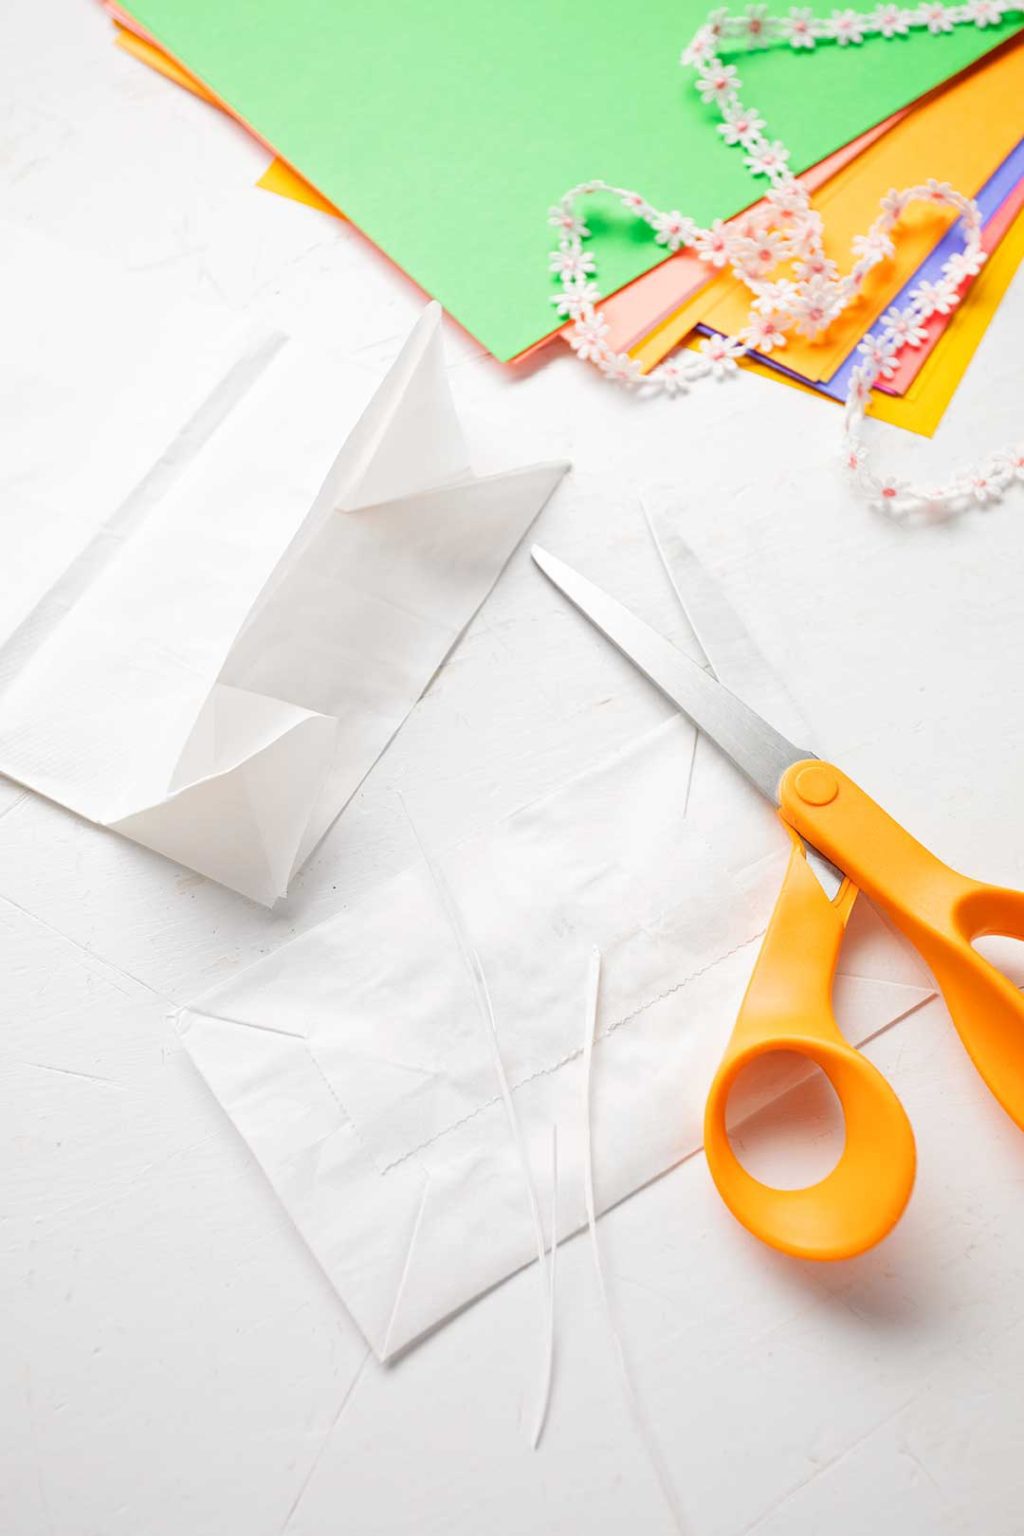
[148, 53]
[959, 135]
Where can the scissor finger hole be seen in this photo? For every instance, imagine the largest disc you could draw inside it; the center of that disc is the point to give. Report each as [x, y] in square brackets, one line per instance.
[1005, 953]
[784, 1121]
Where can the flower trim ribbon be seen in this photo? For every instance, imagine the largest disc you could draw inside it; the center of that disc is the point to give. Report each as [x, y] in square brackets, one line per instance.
[784, 228]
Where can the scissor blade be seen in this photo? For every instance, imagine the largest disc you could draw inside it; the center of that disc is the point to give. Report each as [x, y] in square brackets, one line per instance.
[725, 640]
[754, 746]
[727, 644]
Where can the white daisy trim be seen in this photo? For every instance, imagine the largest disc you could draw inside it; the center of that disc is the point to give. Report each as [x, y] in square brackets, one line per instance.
[790, 230]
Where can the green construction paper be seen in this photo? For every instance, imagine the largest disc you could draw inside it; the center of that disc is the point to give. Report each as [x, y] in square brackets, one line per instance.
[445, 129]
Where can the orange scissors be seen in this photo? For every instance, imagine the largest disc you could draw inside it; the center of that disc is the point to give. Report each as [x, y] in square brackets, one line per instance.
[787, 1006]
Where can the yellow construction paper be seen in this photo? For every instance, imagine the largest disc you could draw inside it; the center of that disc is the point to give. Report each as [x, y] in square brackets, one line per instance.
[959, 135]
[280, 178]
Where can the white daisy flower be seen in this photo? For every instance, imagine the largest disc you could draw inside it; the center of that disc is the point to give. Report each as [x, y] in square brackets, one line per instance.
[846, 27]
[904, 326]
[672, 377]
[762, 332]
[891, 20]
[887, 492]
[893, 203]
[673, 230]
[700, 49]
[587, 338]
[757, 25]
[768, 159]
[816, 264]
[875, 246]
[712, 245]
[717, 82]
[758, 256]
[579, 294]
[570, 261]
[741, 124]
[934, 298]
[964, 264]
[935, 17]
[569, 224]
[721, 354]
[778, 297]
[879, 352]
[799, 26]
[621, 368]
[814, 307]
[983, 487]
[984, 13]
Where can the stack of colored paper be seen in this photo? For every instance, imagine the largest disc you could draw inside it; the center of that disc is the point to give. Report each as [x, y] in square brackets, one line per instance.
[447, 134]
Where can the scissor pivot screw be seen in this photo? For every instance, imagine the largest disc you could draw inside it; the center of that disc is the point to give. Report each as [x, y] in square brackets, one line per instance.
[816, 785]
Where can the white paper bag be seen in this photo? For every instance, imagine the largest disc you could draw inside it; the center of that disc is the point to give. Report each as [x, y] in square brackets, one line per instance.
[356, 1065]
[216, 671]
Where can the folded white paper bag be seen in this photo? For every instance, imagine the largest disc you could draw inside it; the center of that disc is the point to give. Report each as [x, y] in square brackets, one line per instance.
[356, 1064]
[242, 653]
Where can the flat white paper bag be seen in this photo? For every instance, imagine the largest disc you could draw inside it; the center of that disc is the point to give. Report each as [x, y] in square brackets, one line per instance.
[355, 1064]
[242, 653]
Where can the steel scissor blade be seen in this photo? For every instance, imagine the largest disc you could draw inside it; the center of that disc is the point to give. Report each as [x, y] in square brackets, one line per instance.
[723, 637]
[729, 648]
[757, 749]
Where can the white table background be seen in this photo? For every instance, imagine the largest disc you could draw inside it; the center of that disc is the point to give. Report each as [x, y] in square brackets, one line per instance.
[173, 1361]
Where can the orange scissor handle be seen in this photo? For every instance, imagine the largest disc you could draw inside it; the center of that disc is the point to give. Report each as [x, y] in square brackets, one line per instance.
[788, 1007]
[940, 912]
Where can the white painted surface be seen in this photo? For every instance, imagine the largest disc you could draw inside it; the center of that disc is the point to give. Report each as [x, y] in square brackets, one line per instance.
[172, 1359]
